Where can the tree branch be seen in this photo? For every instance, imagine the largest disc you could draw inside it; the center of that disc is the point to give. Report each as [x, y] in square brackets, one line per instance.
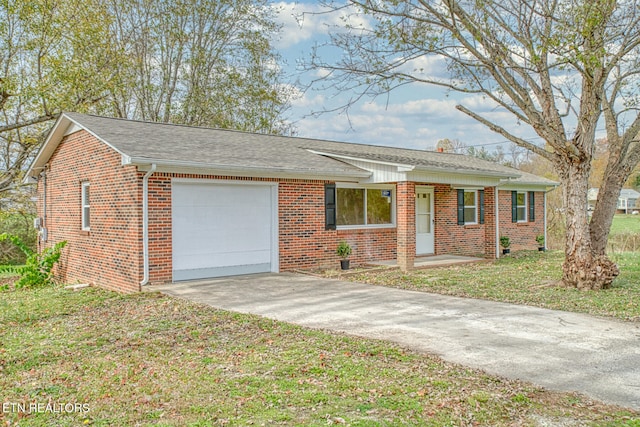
[502, 131]
[26, 123]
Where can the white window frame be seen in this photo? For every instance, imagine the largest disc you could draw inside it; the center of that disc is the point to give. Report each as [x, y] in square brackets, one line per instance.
[525, 206]
[366, 188]
[475, 206]
[86, 205]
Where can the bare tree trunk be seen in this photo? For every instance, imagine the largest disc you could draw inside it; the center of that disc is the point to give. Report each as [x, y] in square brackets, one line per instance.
[583, 268]
[621, 162]
[603, 214]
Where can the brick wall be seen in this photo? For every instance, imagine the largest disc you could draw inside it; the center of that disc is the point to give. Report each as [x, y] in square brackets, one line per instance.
[109, 255]
[469, 240]
[303, 243]
[406, 222]
[522, 234]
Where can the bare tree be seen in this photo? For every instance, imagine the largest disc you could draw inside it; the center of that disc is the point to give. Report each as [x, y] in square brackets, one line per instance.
[202, 62]
[451, 145]
[558, 66]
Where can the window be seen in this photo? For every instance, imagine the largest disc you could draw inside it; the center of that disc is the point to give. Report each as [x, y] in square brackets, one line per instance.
[364, 206]
[85, 206]
[470, 204]
[521, 207]
[470, 207]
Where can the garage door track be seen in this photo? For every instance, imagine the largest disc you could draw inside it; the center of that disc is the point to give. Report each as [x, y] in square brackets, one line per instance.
[555, 349]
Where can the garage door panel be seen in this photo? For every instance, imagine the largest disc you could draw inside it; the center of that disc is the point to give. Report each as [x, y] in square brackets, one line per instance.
[221, 229]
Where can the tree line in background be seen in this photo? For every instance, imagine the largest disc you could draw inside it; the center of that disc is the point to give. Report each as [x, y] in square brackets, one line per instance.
[195, 62]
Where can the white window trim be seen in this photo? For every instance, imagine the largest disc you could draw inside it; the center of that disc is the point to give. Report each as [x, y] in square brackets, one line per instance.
[392, 224]
[85, 205]
[475, 205]
[526, 206]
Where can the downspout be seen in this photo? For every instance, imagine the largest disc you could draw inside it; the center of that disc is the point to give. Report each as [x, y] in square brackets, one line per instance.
[43, 227]
[546, 242]
[496, 208]
[145, 225]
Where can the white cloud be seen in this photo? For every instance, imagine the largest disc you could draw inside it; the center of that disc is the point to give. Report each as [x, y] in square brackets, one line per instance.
[427, 67]
[302, 22]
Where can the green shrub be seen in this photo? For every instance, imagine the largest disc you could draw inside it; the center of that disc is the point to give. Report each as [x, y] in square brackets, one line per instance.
[343, 250]
[38, 268]
[17, 222]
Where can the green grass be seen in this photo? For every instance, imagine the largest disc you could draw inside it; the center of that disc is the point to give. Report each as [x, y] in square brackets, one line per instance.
[528, 278]
[623, 224]
[146, 359]
[625, 234]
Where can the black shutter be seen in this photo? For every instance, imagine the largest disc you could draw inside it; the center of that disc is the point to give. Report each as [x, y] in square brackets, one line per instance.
[329, 206]
[460, 207]
[481, 206]
[514, 206]
[532, 206]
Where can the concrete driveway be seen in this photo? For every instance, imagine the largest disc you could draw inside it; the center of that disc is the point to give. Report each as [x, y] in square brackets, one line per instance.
[555, 349]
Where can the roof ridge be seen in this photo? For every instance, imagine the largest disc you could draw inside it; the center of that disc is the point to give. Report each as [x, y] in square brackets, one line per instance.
[292, 137]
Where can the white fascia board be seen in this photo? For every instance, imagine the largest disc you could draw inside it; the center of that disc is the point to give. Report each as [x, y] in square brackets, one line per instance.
[167, 166]
[48, 147]
[527, 186]
[64, 126]
[467, 172]
[455, 179]
[406, 168]
[401, 166]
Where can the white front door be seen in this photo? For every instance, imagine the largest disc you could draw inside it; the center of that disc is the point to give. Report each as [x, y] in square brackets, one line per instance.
[424, 221]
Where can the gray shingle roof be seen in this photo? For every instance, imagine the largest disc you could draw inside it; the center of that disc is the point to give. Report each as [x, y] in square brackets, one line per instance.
[209, 147]
[229, 148]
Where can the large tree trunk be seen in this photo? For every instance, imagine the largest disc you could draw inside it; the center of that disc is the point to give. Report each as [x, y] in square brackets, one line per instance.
[582, 268]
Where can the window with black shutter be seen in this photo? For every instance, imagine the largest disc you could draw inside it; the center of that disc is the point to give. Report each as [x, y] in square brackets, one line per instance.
[481, 206]
[532, 206]
[330, 206]
[470, 206]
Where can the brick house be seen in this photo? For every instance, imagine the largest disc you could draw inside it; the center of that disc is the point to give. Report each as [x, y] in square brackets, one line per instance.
[143, 203]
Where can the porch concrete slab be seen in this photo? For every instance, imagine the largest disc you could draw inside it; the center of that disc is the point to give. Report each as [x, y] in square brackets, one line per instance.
[432, 261]
[554, 349]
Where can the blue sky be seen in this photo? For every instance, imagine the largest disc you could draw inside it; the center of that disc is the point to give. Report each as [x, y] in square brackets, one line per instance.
[415, 116]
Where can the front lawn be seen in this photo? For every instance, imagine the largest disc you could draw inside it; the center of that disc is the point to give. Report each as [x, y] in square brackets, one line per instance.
[147, 359]
[524, 278]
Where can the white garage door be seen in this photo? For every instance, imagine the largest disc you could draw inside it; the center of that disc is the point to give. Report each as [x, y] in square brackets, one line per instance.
[223, 229]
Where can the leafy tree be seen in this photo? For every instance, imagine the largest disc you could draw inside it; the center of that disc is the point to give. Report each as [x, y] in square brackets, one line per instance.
[558, 66]
[196, 62]
[54, 55]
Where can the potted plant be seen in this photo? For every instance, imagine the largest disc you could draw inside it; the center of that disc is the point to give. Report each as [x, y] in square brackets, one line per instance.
[505, 242]
[343, 251]
[540, 240]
